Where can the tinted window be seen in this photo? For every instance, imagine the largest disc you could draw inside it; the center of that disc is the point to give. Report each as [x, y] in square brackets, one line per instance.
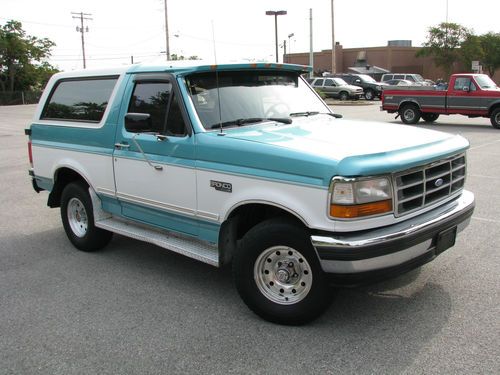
[348, 79]
[399, 76]
[79, 100]
[151, 98]
[329, 82]
[175, 121]
[319, 82]
[410, 78]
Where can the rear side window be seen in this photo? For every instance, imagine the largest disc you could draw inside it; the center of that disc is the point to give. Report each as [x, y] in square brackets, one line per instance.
[79, 99]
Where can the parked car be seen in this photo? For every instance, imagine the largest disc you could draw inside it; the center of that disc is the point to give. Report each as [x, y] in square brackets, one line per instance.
[472, 95]
[371, 88]
[412, 77]
[336, 88]
[399, 82]
[244, 164]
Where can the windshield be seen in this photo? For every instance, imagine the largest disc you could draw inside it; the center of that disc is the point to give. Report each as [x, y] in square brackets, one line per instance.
[251, 96]
[367, 78]
[485, 82]
[340, 81]
[419, 78]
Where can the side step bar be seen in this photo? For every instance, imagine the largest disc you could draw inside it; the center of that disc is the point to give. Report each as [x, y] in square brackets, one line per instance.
[191, 247]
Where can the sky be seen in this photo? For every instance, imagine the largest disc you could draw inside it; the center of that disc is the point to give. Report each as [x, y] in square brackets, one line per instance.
[241, 31]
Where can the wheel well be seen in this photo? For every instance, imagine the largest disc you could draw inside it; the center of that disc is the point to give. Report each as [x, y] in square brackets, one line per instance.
[492, 108]
[62, 177]
[404, 104]
[244, 218]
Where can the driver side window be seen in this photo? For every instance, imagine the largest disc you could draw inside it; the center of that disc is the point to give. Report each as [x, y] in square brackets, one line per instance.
[159, 101]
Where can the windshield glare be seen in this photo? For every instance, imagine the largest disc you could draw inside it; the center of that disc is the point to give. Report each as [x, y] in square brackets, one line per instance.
[340, 81]
[250, 95]
[485, 82]
[367, 78]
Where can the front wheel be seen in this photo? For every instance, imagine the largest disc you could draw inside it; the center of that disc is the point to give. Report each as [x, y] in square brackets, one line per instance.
[278, 275]
[78, 219]
[430, 117]
[369, 95]
[410, 114]
[343, 96]
[495, 118]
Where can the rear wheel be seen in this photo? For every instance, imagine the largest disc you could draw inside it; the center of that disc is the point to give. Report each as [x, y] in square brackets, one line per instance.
[430, 117]
[495, 118]
[278, 275]
[78, 219]
[410, 114]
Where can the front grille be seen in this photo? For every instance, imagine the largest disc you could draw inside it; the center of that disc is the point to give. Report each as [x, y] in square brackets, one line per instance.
[420, 187]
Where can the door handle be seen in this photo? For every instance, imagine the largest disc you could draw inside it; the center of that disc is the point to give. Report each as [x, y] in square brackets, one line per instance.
[121, 145]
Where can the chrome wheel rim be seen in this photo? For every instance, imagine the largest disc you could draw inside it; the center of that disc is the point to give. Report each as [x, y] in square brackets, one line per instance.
[497, 118]
[409, 115]
[283, 275]
[368, 95]
[77, 217]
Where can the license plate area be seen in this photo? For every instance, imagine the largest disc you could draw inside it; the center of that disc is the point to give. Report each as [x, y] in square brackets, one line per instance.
[445, 240]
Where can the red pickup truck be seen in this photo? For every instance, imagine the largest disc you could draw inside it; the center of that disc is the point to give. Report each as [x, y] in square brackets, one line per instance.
[472, 95]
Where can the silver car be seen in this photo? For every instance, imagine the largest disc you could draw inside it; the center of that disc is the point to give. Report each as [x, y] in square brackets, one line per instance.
[336, 88]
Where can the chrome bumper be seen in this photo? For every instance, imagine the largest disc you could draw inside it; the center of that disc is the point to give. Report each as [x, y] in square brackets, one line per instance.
[396, 245]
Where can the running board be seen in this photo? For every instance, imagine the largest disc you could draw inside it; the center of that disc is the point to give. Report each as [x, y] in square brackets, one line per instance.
[200, 250]
[203, 251]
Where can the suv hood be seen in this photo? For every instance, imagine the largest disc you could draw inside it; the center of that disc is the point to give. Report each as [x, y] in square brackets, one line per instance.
[344, 141]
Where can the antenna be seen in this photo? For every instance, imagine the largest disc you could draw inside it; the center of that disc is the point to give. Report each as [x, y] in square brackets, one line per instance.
[217, 80]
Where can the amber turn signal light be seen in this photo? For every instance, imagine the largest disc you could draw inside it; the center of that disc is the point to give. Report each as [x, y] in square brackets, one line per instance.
[360, 210]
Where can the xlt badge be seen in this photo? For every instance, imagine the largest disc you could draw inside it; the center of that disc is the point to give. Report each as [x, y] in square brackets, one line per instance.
[222, 186]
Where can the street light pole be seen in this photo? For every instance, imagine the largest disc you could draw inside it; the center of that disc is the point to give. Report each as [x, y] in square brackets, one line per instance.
[167, 42]
[334, 63]
[290, 45]
[276, 13]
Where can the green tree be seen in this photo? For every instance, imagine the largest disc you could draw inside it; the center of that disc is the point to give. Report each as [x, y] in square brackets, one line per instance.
[471, 50]
[175, 57]
[490, 45]
[23, 58]
[443, 42]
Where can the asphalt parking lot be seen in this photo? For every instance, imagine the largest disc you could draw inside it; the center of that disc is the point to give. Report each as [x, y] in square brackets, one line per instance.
[135, 308]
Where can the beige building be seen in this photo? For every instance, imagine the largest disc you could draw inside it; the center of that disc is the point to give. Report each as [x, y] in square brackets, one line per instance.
[396, 59]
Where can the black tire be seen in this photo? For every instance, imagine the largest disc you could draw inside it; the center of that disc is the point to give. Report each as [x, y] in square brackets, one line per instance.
[430, 117]
[495, 118]
[78, 219]
[343, 95]
[369, 94]
[410, 114]
[269, 253]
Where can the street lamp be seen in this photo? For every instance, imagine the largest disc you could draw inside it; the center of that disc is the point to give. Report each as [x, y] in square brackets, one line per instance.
[290, 45]
[276, 13]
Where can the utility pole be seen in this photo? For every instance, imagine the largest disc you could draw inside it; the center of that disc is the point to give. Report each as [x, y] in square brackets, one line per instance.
[166, 32]
[82, 16]
[284, 51]
[334, 63]
[311, 55]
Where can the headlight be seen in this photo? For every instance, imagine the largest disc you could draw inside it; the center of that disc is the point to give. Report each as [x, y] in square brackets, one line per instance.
[379, 88]
[352, 198]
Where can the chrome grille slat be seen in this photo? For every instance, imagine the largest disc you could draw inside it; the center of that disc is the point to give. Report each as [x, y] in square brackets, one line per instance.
[420, 187]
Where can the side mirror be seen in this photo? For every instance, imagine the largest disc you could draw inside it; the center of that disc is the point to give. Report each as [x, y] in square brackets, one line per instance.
[138, 122]
[357, 81]
[465, 88]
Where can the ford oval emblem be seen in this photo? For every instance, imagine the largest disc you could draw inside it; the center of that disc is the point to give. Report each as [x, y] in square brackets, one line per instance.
[439, 182]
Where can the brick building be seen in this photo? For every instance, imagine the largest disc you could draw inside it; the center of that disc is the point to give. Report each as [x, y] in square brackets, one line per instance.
[394, 58]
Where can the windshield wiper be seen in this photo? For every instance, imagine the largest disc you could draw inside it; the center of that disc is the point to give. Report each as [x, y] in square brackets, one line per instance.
[243, 121]
[305, 113]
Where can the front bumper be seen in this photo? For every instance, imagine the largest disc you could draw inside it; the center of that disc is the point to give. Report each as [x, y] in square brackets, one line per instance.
[353, 258]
